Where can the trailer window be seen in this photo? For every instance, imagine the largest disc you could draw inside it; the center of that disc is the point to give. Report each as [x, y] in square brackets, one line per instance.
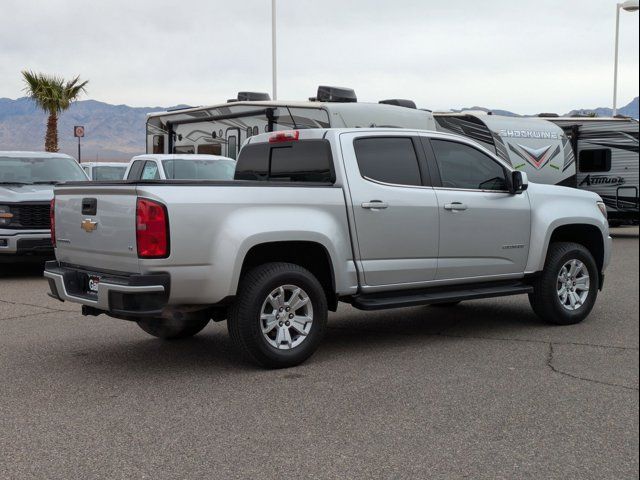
[303, 161]
[598, 160]
[158, 144]
[232, 142]
[309, 118]
[210, 149]
[184, 149]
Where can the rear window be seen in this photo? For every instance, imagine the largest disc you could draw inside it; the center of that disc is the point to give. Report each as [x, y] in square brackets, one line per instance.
[301, 161]
[187, 169]
[107, 173]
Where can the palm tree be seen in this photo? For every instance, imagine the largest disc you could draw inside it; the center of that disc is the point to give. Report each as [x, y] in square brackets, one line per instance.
[53, 95]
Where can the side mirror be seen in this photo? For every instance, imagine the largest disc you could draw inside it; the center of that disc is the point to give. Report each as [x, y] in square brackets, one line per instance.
[519, 182]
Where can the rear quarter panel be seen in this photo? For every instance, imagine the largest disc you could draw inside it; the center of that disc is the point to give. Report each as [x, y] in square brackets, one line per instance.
[213, 228]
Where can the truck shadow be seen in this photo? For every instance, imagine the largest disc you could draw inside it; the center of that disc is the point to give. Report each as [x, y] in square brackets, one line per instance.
[397, 327]
[349, 333]
[10, 271]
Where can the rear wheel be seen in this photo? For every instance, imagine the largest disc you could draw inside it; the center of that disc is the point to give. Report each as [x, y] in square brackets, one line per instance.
[566, 290]
[174, 328]
[279, 316]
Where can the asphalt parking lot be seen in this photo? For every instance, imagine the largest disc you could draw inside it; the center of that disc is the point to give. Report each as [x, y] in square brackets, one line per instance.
[483, 390]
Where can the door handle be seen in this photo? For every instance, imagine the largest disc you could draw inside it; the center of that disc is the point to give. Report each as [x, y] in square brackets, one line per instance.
[374, 205]
[455, 207]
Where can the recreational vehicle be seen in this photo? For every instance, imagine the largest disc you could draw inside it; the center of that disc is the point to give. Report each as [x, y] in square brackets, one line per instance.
[532, 145]
[607, 153]
[221, 129]
[545, 148]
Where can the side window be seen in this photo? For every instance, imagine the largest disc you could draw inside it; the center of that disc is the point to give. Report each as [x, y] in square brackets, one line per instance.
[462, 166]
[595, 160]
[150, 171]
[134, 171]
[388, 160]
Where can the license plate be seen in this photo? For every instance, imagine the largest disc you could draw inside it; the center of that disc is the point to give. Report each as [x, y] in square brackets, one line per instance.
[92, 283]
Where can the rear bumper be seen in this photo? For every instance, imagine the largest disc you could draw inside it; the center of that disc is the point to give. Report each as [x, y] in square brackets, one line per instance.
[25, 243]
[121, 295]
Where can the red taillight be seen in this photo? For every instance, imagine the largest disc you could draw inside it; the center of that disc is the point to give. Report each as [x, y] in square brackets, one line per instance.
[52, 220]
[284, 136]
[152, 229]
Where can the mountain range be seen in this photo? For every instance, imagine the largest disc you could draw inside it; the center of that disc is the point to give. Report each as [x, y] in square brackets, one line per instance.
[117, 132]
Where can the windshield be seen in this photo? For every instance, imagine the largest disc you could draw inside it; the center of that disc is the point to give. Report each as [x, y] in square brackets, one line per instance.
[106, 172]
[39, 170]
[214, 169]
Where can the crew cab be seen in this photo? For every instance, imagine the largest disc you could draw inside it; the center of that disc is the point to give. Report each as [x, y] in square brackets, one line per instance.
[378, 218]
[180, 167]
[26, 189]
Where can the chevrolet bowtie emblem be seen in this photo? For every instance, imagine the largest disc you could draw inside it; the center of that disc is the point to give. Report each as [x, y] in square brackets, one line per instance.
[88, 226]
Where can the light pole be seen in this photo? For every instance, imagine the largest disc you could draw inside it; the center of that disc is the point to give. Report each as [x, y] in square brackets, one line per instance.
[628, 6]
[274, 65]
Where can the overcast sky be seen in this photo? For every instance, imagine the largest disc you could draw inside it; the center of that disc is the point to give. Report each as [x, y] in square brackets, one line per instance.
[526, 56]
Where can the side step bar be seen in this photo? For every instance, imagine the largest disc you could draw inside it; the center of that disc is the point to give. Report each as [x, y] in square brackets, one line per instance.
[412, 298]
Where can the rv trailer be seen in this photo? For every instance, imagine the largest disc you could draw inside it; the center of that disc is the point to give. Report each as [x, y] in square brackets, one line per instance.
[533, 145]
[221, 129]
[607, 153]
[545, 148]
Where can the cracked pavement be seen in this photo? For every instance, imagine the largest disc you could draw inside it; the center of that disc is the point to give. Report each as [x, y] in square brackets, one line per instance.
[482, 390]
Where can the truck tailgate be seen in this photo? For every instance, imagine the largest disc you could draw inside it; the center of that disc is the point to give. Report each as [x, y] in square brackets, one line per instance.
[96, 227]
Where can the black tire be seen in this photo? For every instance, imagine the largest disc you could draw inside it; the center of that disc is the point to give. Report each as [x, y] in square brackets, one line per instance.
[446, 304]
[174, 328]
[544, 300]
[244, 315]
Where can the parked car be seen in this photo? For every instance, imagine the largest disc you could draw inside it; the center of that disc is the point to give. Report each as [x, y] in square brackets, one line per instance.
[100, 171]
[378, 218]
[180, 167]
[26, 190]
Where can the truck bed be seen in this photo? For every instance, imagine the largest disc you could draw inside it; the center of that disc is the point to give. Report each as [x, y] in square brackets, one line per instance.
[211, 223]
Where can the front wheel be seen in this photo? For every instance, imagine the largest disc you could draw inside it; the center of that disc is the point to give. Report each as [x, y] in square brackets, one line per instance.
[566, 291]
[279, 316]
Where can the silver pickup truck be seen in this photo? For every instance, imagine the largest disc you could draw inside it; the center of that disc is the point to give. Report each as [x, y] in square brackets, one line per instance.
[378, 218]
